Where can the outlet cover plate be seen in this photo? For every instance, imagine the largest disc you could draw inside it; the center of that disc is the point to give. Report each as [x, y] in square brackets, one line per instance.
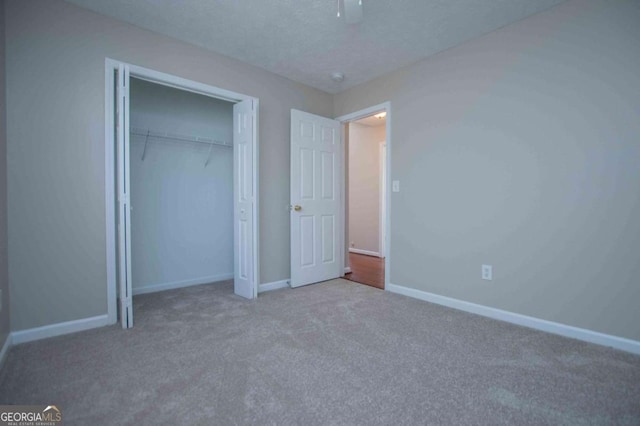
[487, 272]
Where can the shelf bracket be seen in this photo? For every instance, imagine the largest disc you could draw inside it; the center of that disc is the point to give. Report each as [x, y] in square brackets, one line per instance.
[208, 155]
[146, 140]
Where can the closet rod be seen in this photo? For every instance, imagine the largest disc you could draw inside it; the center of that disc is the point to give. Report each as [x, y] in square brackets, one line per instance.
[186, 138]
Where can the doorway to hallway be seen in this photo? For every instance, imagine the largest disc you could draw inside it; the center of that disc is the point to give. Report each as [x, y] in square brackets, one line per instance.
[366, 153]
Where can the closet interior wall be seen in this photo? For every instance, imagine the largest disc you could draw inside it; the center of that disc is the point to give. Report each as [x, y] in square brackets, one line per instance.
[182, 192]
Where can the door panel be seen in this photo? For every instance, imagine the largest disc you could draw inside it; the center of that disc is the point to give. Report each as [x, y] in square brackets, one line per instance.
[328, 175]
[307, 174]
[315, 145]
[328, 238]
[307, 240]
[124, 197]
[243, 283]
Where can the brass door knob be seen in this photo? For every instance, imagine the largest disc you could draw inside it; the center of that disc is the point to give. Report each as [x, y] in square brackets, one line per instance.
[297, 208]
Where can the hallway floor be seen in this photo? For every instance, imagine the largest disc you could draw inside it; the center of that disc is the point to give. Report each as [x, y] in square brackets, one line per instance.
[368, 270]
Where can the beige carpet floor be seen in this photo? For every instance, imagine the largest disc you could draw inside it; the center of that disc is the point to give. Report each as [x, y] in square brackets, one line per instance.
[333, 353]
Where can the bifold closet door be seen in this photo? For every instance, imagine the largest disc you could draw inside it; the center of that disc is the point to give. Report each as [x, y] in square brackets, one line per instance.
[124, 198]
[244, 197]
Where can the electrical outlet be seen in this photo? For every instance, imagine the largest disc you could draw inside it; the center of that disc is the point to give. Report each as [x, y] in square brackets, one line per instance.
[487, 272]
[353, 244]
[395, 186]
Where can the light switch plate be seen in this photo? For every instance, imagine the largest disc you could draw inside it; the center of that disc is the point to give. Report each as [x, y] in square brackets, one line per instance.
[395, 186]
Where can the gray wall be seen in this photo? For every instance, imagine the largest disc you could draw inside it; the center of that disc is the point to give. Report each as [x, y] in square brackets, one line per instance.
[364, 186]
[4, 276]
[182, 216]
[521, 149]
[55, 145]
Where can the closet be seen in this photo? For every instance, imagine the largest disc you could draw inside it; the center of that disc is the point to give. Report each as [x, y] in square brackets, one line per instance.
[181, 168]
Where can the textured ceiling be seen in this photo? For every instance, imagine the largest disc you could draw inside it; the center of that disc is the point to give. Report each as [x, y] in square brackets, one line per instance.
[304, 40]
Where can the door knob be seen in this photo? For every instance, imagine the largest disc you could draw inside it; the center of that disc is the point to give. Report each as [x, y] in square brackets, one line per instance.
[297, 208]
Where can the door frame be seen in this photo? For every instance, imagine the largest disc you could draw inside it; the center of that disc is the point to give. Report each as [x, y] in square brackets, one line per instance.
[347, 118]
[157, 77]
[382, 248]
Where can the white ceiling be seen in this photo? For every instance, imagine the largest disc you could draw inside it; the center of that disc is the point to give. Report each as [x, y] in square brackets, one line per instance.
[304, 40]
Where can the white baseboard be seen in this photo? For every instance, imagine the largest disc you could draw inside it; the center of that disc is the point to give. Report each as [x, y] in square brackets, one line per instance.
[365, 252]
[275, 285]
[37, 333]
[583, 334]
[152, 288]
[8, 342]
[347, 270]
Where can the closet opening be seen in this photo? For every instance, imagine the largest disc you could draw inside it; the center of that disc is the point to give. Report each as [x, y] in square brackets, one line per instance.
[181, 186]
[181, 162]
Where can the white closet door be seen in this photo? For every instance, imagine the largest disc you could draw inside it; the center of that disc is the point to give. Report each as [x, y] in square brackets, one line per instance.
[124, 199]
[244, 197]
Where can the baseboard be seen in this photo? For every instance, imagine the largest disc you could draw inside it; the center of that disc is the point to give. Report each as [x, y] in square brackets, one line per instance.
[179, 284]
[5, 349]
[275, 285]
[347, 270]
[37, 333]
[583, 334]
[365, 252]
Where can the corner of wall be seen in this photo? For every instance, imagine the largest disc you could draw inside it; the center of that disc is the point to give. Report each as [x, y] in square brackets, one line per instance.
[4, 276]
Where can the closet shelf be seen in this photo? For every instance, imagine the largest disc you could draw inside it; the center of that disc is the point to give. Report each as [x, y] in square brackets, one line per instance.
[186, 138]
[148, 133]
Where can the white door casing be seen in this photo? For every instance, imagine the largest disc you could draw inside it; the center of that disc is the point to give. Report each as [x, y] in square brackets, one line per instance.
[316, 238]
[117, 198]
[124, 197]
[243, 192]
[366, 112]
[383, 203]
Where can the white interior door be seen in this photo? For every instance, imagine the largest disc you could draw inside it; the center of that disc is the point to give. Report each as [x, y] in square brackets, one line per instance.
[124, 198]
[244, 120]
[315, 198]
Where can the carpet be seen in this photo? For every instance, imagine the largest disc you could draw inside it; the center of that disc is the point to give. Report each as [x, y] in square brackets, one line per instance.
[332, 353]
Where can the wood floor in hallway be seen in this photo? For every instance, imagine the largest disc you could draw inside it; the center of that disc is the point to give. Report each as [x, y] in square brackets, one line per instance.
[367, 270]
